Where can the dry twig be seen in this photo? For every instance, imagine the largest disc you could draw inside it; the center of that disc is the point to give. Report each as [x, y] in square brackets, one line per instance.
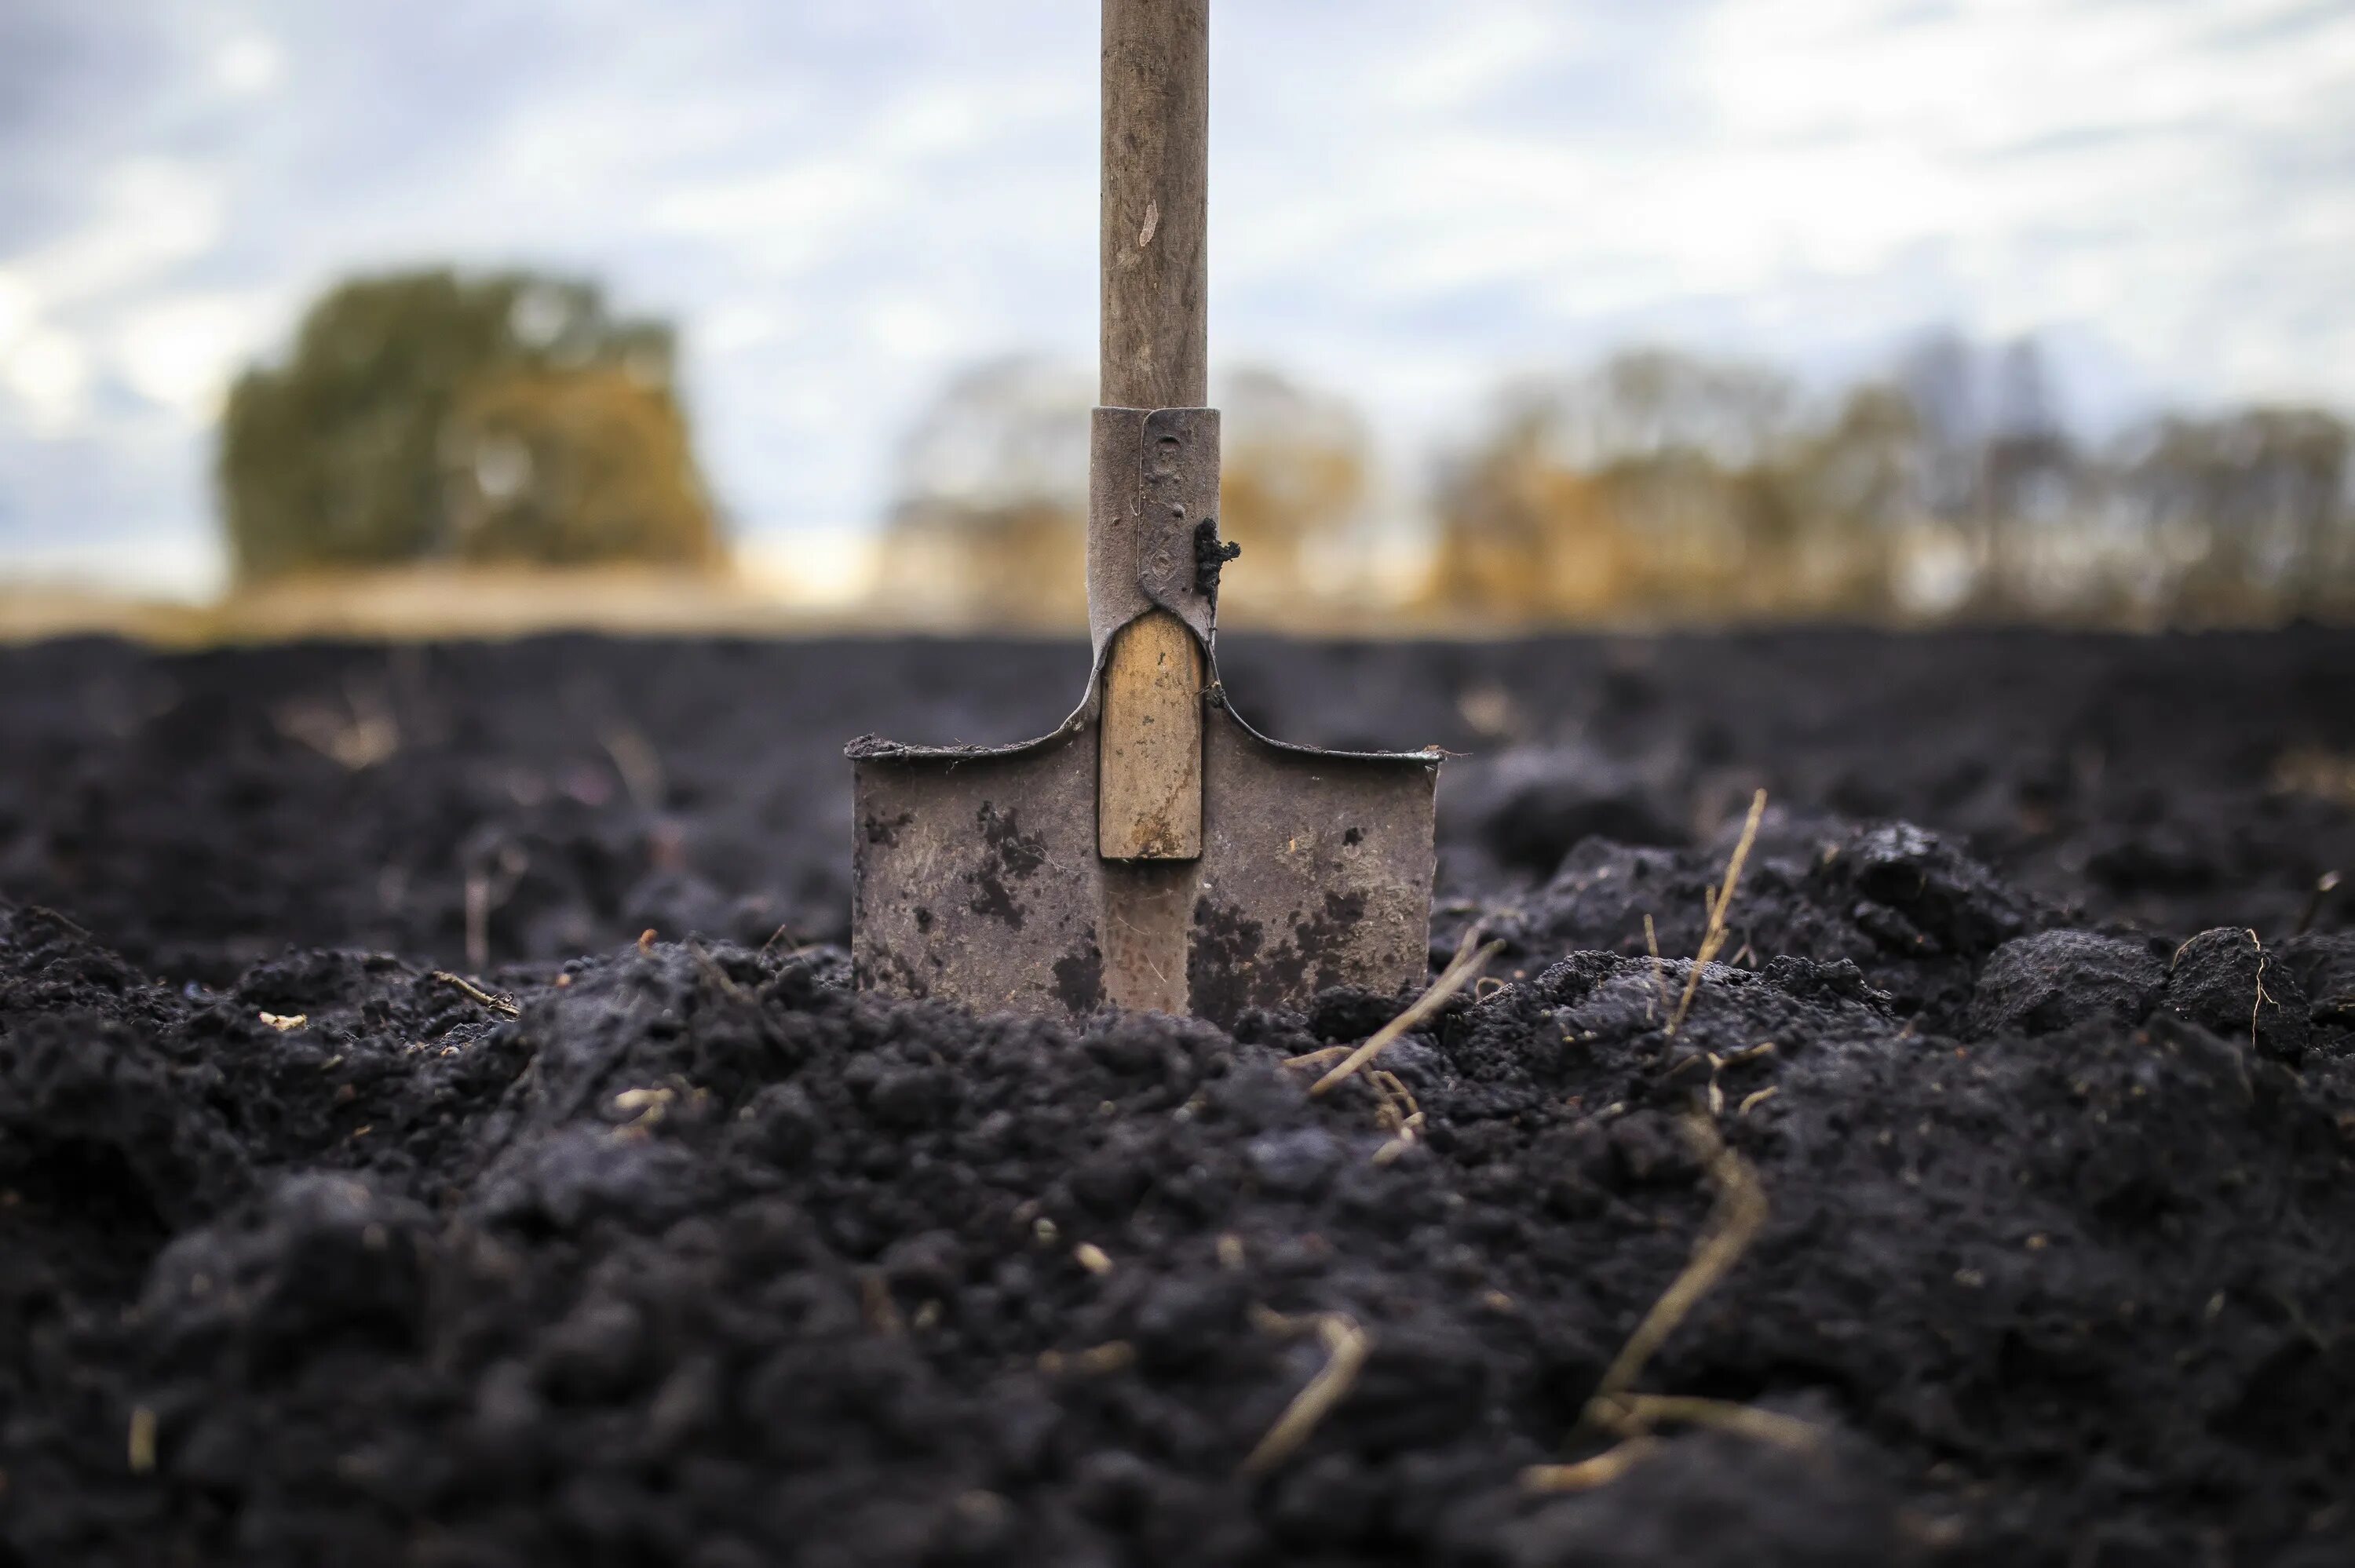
[1741, 1211]
[141, 1444]
[1112, 1356]
[1458, 974]
[495, 1003]
[1589, 1474]
[1717, 904]
[709, 968]
[1636, 1415]
[1633, 1417]
[1346, 1349]
[1399, 1115]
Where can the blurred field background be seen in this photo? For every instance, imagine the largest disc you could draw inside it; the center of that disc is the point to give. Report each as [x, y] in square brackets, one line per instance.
[1524, 316]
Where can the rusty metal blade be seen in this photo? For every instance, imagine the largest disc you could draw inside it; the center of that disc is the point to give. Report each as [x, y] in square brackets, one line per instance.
[976, 878]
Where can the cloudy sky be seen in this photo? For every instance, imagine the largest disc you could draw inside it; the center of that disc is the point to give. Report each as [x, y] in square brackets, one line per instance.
[843, 201]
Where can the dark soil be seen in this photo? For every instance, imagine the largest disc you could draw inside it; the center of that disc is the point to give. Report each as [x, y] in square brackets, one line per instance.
[703, 1259]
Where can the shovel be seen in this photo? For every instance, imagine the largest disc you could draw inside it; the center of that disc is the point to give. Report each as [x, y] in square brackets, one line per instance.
[1154, 851]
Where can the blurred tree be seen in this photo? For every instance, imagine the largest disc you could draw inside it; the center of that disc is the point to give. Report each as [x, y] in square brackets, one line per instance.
[1939, 379]
[989, 527]
[2001, 470]
[1659, 404]
[1294, 479]
[1662, 485]
[433, 415]
[2252, 512]
[1850, 490]
[2031, 488]
[1523, 535]
[568, 467]
[1658, 482]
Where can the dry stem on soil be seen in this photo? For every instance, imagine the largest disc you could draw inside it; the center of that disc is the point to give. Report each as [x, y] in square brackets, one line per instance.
[1458, 974]
[141, 1443]
[1587, 1475]
[1112, 1356]
[1346, 1349]
[1741, 1211]
[1638, 1414]
[495, 1003]
[1717, 904]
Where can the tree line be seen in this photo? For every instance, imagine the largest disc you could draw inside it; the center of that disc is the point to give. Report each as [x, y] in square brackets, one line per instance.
[1661, 485]
[514, 416]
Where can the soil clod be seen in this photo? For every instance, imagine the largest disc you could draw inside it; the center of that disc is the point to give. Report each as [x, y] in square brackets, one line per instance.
[1987, 1204]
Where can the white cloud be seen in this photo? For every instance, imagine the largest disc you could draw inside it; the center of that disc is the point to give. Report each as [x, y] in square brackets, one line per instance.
[180, 353]
[788, 215]
[1478, 49]
[914, 328]
[250, 65]
[48, 371]
[148, 215]
[16, 309]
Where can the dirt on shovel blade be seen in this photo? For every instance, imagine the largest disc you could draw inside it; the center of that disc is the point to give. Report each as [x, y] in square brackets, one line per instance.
[2014, 1127]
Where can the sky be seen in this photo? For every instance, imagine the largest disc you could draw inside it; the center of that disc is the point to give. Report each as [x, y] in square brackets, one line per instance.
[841, 202]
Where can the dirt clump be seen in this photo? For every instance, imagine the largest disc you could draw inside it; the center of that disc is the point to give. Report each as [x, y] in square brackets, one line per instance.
[703, 1257]
[2058, 980]
[2225, 981]
[684, 1251]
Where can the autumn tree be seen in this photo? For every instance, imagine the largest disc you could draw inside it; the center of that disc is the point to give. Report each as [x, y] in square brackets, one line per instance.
[989, 523]
[1850, 487]
[1524, 535]
[437, 415]
[2248, 512]
[1293, 484]
[1649, 484]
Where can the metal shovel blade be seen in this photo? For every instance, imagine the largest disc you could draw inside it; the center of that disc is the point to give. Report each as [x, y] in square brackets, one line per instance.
[1129, 858]
[976, 877]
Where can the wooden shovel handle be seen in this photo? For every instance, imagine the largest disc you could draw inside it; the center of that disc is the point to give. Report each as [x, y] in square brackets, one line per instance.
[1154, 349]
[1155, 325]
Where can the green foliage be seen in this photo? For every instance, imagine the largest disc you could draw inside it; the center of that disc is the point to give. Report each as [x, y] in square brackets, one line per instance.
[433, 415]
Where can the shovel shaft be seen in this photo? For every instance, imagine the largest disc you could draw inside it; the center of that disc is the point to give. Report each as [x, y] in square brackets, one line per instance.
[1153, 349]
[1154, 342]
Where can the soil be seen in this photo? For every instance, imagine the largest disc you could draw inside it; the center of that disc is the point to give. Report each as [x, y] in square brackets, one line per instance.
[2032, 1028]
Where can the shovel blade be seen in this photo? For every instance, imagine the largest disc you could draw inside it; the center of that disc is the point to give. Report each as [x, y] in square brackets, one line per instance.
[976, 878]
